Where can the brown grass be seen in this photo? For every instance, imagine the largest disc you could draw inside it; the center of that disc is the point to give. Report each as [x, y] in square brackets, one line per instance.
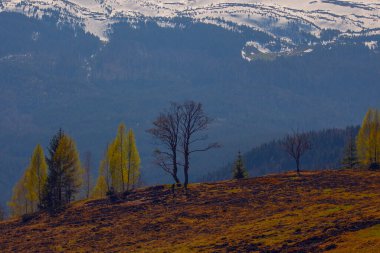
[337, 211]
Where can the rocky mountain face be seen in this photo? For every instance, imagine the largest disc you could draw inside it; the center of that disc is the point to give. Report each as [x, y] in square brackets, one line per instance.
[291, 26]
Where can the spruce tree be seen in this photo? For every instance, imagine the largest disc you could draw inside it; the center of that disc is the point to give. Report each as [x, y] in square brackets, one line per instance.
[64, 173]
[2, 213]
[350, 158]
[50, 197]
[239, 170]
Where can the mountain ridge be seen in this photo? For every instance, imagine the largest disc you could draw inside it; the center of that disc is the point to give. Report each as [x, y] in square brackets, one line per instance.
[273, 17]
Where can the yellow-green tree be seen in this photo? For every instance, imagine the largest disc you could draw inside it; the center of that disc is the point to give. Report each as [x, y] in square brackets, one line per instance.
[27, 193]
[133, 159]
[36, 175]
[118, 159]
[368, 140]
[103, 183]
[100, 189]
[19, 204]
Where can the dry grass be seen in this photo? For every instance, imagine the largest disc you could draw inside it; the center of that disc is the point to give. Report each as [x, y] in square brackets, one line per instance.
[337, 211]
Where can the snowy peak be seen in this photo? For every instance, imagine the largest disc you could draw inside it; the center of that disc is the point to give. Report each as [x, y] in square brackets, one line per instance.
[271, 16]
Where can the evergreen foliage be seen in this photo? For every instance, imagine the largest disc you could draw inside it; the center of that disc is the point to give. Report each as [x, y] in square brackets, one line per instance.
[64, 173]
[239, 171]
[350, 158]
[2, 213]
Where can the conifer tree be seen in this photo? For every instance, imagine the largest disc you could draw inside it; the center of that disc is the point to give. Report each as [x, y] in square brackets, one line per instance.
[350, 158]
[133, 159]
[118, 160]
[36, 175]
[239, 170]
[64, 172]
[2, 213]
[368, 140]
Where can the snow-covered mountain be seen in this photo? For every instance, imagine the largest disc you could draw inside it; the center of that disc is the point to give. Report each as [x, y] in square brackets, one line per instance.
[355, 17]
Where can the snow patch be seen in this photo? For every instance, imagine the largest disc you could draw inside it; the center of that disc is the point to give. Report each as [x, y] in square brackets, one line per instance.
[372, 45]
[354, 17]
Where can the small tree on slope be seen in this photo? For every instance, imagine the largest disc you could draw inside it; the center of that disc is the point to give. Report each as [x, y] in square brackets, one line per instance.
[239, 170]
[350, 158]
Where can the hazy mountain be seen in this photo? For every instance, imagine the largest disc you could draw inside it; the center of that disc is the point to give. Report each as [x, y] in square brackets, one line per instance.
[327, 151]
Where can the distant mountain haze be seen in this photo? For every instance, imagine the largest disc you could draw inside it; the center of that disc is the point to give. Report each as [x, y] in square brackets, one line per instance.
[86, 66]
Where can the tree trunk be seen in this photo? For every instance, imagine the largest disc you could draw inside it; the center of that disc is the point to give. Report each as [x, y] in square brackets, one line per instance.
[298, 167]
[129, 170]
[186, 171]
[186, 168]
[175, 168]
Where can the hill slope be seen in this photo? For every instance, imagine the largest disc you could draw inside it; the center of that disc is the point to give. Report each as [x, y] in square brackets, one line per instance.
[335, 210]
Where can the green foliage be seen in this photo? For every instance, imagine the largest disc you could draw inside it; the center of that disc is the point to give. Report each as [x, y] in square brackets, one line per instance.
[19, 204]
[350, 158]
[65, 173]
[120, 167]
[27, 193]
[118, 159]
[133, 159]
[239, 171]
[103, 183]
[36, 176]
[368, 140]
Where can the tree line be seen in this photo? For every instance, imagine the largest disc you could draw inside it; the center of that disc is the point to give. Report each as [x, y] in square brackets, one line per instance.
[362, 148]
[356, 147]
[52, 181]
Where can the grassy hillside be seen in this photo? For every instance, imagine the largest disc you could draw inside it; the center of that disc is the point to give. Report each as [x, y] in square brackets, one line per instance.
[337, 211]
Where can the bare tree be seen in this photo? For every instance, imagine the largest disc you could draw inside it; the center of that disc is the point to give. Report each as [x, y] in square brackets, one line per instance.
[87, 173]
[296, 145]
[179, 130]
[194, 121]
[166, 130]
